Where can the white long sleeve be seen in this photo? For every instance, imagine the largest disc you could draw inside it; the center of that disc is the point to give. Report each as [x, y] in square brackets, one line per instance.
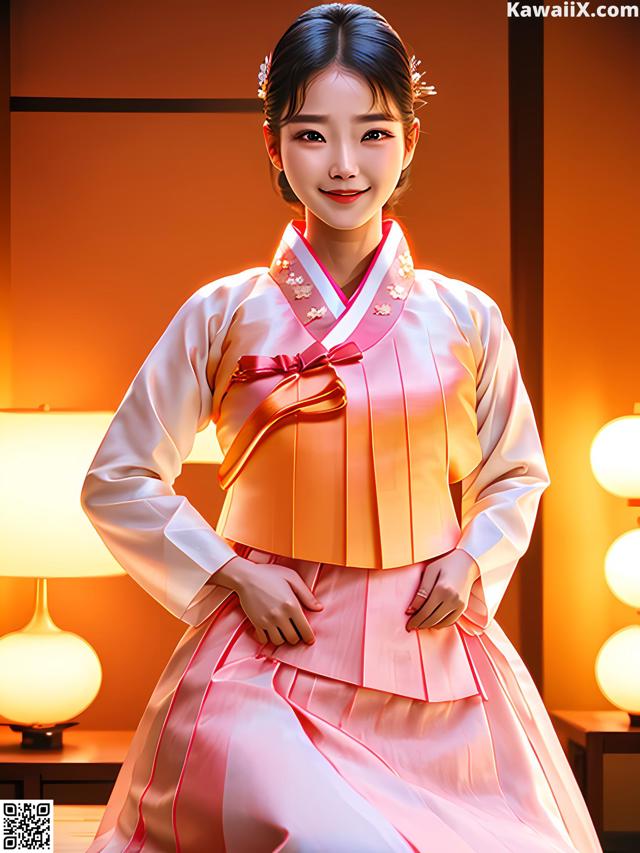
[500, 497]
[156, 535]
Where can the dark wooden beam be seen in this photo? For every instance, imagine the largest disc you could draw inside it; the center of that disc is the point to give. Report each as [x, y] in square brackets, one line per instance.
[527, 287]
[5, 208]
[136, 105]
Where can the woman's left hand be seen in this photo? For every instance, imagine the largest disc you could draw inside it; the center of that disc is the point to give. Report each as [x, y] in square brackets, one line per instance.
[443, 592]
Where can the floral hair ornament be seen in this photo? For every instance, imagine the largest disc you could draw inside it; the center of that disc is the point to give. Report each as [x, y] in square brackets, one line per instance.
[420, 88]
[263, 76]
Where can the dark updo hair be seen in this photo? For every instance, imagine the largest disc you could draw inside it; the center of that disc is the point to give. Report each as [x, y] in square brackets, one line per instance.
[356, 38]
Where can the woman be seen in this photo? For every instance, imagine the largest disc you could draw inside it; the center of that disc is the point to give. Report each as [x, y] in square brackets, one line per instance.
[343, 684]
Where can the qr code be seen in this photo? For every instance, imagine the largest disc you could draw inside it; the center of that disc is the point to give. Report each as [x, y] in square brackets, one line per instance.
[26, 825]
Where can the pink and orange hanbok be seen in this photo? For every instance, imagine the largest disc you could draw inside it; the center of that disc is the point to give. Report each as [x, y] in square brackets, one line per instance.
[362, 438]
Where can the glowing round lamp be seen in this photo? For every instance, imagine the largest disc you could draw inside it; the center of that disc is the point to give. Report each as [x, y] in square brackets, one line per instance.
[48, 675]
[615, 455]
[622, 567]
[617, 667]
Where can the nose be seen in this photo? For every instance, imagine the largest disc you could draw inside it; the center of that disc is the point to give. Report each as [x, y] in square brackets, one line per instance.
[343, 166]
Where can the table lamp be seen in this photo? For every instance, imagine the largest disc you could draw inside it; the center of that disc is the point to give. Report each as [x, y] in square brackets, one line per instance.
[47, 674]
[615, 461]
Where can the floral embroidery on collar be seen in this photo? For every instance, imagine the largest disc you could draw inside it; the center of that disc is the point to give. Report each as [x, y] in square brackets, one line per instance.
[384, 309]
[315, 313]
[332, 318]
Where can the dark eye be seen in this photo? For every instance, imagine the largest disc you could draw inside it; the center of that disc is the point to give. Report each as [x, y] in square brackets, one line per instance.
[383, 132]
[306, 132]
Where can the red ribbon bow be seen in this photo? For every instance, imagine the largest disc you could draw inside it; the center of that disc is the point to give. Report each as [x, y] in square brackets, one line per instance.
[253, 366]
[275, 407]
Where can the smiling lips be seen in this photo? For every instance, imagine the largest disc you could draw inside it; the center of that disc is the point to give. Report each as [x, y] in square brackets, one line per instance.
[344, 196]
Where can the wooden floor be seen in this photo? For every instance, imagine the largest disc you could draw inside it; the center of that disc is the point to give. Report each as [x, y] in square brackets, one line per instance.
[74, 827]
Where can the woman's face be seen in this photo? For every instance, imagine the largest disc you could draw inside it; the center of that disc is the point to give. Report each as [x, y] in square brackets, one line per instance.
[338, 141]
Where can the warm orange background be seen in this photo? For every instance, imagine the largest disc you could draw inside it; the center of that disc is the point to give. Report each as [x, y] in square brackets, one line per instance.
[590, 364]
[117, 218]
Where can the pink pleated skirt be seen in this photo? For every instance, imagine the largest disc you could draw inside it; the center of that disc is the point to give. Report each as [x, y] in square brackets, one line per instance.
[354, 744]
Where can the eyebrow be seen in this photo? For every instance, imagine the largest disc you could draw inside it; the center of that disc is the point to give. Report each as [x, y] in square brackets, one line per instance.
[320, 119]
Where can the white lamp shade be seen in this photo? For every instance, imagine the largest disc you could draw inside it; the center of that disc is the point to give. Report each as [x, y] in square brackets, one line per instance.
[615, 456]
[622, 567]
[44, 458]
[618, 669]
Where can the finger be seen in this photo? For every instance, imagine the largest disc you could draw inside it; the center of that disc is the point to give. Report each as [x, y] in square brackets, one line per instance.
[261, 635]
[300, 621]
[434, 619]
[288, 631]
[425, 588]
[421, 616]
[449, 620]
[306, 596]
[302, 625]
[429, 606]
[416, 602]
[274, 635]
[304, 628]
[451, 603]
[422, 597]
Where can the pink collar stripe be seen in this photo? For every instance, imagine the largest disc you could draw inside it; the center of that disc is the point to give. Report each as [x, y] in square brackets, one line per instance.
[318, 302]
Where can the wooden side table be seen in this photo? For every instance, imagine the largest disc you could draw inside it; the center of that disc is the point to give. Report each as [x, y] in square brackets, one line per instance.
[586, 737]
[83, 772]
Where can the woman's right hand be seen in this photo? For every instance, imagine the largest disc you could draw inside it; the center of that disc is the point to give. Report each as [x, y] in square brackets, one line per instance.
[271, 595]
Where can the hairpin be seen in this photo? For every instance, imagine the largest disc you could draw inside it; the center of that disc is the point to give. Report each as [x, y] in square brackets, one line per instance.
[420, 88]
[263, 76]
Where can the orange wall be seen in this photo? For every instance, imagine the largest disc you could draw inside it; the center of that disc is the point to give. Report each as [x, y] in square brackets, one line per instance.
[592, 305]
[117, 218]
[591, 332]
